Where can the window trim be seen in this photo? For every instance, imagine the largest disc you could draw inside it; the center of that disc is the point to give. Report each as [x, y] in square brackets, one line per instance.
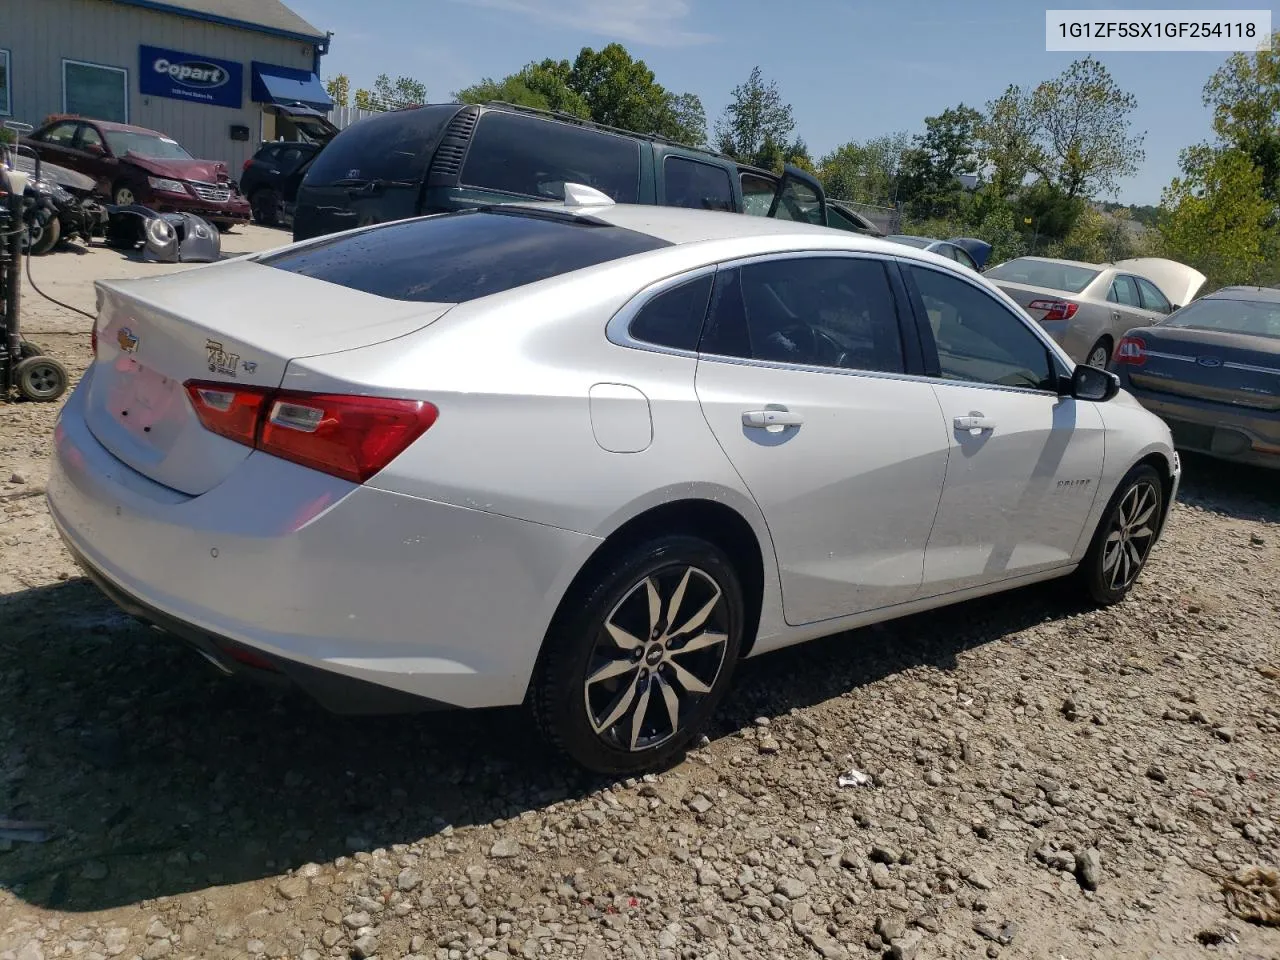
[6, 109]
[930, 346]
[728, 178]
[123, 71]
[618, 328]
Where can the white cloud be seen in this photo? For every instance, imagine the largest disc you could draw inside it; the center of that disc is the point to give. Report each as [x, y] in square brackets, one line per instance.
[656, 22]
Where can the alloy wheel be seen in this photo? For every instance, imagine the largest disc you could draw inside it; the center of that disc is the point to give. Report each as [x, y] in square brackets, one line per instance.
[1098, 358]
[1131, 535]
[657, 654]
[124, 197]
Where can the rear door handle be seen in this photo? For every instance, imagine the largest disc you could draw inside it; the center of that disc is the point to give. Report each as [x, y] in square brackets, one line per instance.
[971, 424]
[771, 418]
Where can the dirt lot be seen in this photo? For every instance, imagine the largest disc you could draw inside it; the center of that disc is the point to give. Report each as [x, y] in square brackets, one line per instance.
[1047, 781]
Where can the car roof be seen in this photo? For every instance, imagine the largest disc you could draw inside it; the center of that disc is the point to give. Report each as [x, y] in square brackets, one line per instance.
[104, 124]
[1253, 294]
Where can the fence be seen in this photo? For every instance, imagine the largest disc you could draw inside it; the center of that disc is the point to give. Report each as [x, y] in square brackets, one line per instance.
[343, 117]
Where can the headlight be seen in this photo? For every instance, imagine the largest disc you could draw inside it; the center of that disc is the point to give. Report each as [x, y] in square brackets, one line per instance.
[169, 186]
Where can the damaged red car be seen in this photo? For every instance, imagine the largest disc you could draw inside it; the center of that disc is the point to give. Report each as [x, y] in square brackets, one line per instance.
[136, 165]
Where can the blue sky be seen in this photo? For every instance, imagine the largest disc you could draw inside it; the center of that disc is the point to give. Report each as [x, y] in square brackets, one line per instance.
[851, 69]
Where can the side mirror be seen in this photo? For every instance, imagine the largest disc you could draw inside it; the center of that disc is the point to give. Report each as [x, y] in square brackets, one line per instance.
[1091, 383]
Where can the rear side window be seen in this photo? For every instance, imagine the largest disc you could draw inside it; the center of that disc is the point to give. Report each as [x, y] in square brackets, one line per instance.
[757, 194]
[536, 158]
[674, 317]
[395, 147]
[1125, 292]
[699, 186]
[1152, 298]
[462, 256]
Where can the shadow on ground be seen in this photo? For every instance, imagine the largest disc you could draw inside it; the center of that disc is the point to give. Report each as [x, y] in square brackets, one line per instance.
[1231, 489]
[162, 778]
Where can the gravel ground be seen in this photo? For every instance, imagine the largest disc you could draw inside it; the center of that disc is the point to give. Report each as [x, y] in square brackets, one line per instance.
[1043, 780]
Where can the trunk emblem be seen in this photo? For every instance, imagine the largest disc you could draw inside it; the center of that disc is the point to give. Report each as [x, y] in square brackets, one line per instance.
[1209, 361]
[127, 340]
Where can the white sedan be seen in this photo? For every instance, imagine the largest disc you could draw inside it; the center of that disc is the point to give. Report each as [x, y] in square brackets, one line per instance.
[585, 457]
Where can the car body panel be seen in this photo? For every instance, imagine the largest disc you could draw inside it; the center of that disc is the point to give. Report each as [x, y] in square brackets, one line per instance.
[480, 526]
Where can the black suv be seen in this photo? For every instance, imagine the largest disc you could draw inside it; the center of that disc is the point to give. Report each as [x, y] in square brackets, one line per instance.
[444, 157]
[271, 177]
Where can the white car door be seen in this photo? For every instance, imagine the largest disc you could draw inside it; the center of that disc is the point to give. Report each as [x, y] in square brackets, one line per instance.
[1025, 462]
[801, 378]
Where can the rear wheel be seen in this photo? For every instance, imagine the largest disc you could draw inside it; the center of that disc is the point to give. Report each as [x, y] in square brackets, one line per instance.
[1099, 354]
[640, 657]
[1125, 536]
[266, 207]
[42, 237]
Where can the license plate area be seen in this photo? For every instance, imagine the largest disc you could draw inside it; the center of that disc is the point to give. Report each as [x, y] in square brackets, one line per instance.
[147, 405]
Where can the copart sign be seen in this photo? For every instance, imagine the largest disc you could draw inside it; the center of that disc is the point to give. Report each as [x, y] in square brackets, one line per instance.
[190, 76]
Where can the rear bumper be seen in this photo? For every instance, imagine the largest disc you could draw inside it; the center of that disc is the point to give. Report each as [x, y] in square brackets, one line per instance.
[1215, 429]
[337, 585]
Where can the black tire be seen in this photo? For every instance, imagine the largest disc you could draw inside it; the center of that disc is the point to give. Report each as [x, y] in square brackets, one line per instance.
[1099, 354]
[1109, 576]
[266, 204]
[41, 378]
[569, 711]
[45, 238]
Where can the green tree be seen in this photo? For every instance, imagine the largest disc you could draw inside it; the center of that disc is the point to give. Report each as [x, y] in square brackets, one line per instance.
[755, 118]
[1083, 127]
[1244, 94]
[929, 184]
[865, 171]
[1006, 142]
[544, 86]
[339, 89]
[1216, 217]
[391, 95]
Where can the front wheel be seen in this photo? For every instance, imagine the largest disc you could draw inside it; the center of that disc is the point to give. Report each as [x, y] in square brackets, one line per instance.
[123, 196]
[640, 656]
[1125, 536]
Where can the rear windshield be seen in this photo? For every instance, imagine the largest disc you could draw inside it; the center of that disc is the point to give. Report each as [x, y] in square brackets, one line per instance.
[1251, 317]
[535, 157]
[1067, 277]
[920, 242]
[393, 147]
[457, 257]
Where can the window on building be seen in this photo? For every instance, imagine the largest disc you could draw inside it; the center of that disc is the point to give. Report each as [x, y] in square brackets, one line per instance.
[94, 90]
[6, 100]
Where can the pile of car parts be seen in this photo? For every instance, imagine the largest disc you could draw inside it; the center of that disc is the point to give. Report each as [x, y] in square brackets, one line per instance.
[163, 237]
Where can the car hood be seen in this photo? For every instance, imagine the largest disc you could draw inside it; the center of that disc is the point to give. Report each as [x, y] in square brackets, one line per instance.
[51, 172]
[208, 171]
[1177, 281]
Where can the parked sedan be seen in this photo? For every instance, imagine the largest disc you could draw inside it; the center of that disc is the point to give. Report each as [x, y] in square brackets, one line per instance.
[944, 248]
[134, 165]
[1212, 372]
[584, 456]
[1087, 307]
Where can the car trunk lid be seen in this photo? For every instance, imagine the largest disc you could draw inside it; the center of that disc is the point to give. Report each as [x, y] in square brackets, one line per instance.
[155, 334]
[1203, 365]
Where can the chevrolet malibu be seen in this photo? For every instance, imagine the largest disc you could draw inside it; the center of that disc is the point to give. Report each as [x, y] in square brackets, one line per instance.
[584, 457]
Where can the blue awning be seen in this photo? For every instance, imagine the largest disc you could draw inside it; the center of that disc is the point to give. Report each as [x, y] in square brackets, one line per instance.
[273, 84]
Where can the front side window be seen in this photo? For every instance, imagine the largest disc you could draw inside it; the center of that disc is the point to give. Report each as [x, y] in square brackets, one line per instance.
[816, 311]
[6, 100]
[699, 186]
[94, 90]
[90, 139]
[536, 158]
[1124, 292]
[800, 202]
[1152, 298]
[757, 194]
[978, 339]
[674, 317]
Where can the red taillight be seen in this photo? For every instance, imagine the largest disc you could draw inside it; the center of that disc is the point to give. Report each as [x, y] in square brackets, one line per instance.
[1055, 309]
[246, 165]
[1132, 350]
[347, 436]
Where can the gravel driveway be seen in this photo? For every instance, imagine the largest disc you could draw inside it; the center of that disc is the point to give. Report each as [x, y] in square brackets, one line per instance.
[1041, 779]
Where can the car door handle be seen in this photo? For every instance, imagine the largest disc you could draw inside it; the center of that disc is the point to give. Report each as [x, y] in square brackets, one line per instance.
[971, 424]
[1115, 314]
[771, 418]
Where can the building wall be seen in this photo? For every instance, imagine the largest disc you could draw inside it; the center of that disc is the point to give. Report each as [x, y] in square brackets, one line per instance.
[39, 34]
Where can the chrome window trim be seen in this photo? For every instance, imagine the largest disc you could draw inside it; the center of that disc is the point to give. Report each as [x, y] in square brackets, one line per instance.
[618, 332]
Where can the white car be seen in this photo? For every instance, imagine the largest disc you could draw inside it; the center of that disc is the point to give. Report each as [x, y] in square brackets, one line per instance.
[583, 456]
